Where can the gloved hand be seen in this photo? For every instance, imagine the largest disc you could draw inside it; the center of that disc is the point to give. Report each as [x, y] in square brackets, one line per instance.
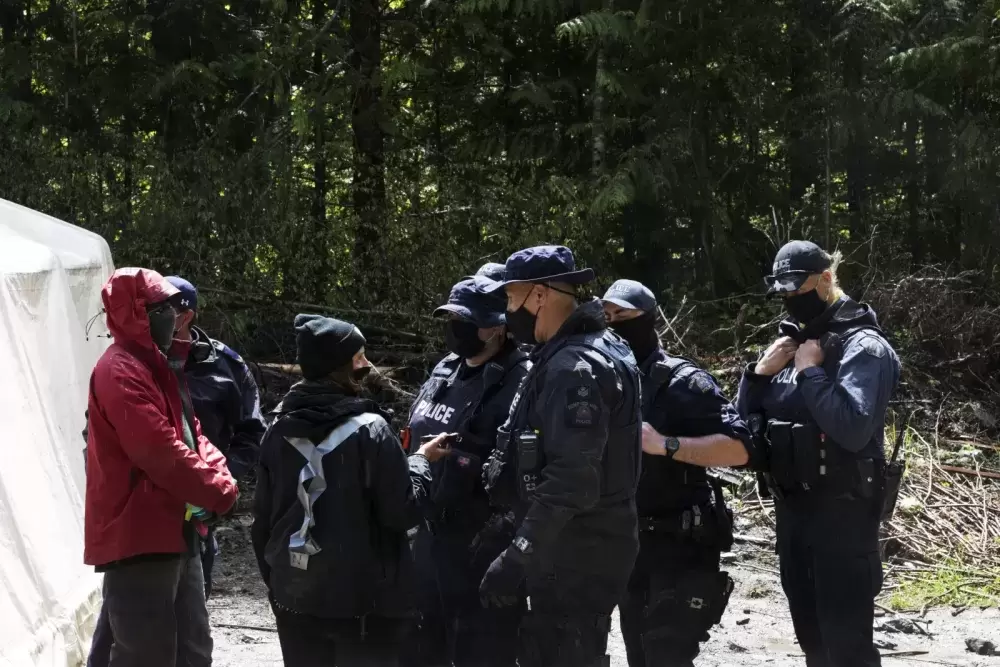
[501, 585]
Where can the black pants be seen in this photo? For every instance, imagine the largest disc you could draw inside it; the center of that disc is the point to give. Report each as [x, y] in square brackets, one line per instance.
[831, 573]
[673, 599]
[100, 646]
[157, 614]
[454, 628]
[569, 619]
[310, 641]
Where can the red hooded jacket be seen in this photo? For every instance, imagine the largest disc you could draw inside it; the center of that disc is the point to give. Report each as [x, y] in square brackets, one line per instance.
[140, 473]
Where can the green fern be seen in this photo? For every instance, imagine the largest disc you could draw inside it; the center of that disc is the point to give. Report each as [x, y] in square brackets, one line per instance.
[600, 27]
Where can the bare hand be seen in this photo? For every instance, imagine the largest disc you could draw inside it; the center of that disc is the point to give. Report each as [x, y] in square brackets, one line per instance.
[652, 441]
[436, 449]
[777, 356]
[809, 354]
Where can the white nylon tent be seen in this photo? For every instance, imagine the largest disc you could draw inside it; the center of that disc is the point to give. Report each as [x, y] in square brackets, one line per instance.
[51, 275]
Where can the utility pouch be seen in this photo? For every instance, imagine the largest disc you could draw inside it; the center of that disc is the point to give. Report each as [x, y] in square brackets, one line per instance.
[892, 478]
[497, 474]
[457, 481]
[809, 454]
[782, 457]
[867, 483]
[528, 462]
[724, 537]
[725, 591]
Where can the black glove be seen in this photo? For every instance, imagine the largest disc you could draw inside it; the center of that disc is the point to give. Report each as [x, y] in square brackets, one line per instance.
[501, 585]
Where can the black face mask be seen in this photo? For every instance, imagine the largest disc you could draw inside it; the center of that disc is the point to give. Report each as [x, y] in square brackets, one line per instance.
[640, 334]
[462, 338]
[162, 321]
[521, 324]
[805, 307]
[358, 375]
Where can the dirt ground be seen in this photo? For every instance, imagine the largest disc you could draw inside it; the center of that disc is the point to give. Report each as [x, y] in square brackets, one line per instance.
[756, 629]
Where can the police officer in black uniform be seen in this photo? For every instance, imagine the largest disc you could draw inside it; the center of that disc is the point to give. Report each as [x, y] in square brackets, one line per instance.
[817, 400]
[676, 592]
[468, 395]
[567, 464]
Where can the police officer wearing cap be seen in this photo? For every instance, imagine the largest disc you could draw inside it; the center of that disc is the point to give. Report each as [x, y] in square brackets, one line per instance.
[676, 593]
[492, 270]
[816, 401]
[468, 396]
[567, 464]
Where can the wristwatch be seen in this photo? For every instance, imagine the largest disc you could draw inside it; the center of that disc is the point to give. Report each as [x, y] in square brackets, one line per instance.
[671, 445]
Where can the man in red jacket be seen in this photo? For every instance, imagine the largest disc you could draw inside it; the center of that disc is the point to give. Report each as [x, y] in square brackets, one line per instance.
[153, 480]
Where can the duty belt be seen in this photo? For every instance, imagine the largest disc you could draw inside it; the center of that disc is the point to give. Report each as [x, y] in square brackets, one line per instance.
[678, 524]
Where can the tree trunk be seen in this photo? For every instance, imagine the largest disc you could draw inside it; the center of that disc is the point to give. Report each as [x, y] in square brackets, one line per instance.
[857, 149]
[317, 239]
[368, 190]
[913, 194]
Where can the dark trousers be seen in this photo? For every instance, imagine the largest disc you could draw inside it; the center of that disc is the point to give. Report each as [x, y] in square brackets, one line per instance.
[454, 628]
[831, 573]
[100, 646]
[157, 614]
[674, 597]
[569, 619]
[310, 641]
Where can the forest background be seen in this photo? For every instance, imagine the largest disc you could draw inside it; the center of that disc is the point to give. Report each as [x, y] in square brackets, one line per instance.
[359, 156]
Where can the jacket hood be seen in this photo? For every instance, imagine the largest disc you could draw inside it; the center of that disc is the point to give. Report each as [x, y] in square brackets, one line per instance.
[312, 407]
[125, 297]
[845, 314]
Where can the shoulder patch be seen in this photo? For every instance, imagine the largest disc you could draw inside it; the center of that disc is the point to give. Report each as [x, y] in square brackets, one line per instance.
[228, 351]
[872, 345]
[582, 409]
[701, 383]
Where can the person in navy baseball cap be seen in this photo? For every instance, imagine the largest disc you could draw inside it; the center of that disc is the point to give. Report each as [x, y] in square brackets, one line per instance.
[492, 270]
[631, 311]
[537, 277]
[475, 325]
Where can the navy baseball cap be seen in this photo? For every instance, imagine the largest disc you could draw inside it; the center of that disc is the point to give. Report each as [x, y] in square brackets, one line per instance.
[187, 297]
[631, 294]
[543, 264]
[794, 263]
[473, 300]
[492, 270]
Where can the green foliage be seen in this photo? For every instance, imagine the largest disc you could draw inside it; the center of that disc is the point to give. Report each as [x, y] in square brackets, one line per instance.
[301, 149]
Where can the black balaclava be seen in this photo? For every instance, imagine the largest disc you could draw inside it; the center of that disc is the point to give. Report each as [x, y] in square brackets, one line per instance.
[640, 334]
[805, 307]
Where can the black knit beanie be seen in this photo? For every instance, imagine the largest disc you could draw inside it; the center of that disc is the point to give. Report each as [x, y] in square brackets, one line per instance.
[325, 344]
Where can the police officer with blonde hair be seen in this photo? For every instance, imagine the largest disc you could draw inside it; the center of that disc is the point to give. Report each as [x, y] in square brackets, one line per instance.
[816, 402]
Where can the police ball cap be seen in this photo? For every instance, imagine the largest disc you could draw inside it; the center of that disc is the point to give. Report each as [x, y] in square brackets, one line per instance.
[324, 344]
[794, 263]
[492, 270]
[543, 264]
[631, 294]
[472, 300]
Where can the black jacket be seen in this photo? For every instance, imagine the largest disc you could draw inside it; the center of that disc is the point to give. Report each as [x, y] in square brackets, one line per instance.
[581, 398]
[474, 402]
[681, 400]
[361, 518]
[226, 401]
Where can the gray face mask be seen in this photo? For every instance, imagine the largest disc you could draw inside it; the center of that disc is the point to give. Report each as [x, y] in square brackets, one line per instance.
[162, 322]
